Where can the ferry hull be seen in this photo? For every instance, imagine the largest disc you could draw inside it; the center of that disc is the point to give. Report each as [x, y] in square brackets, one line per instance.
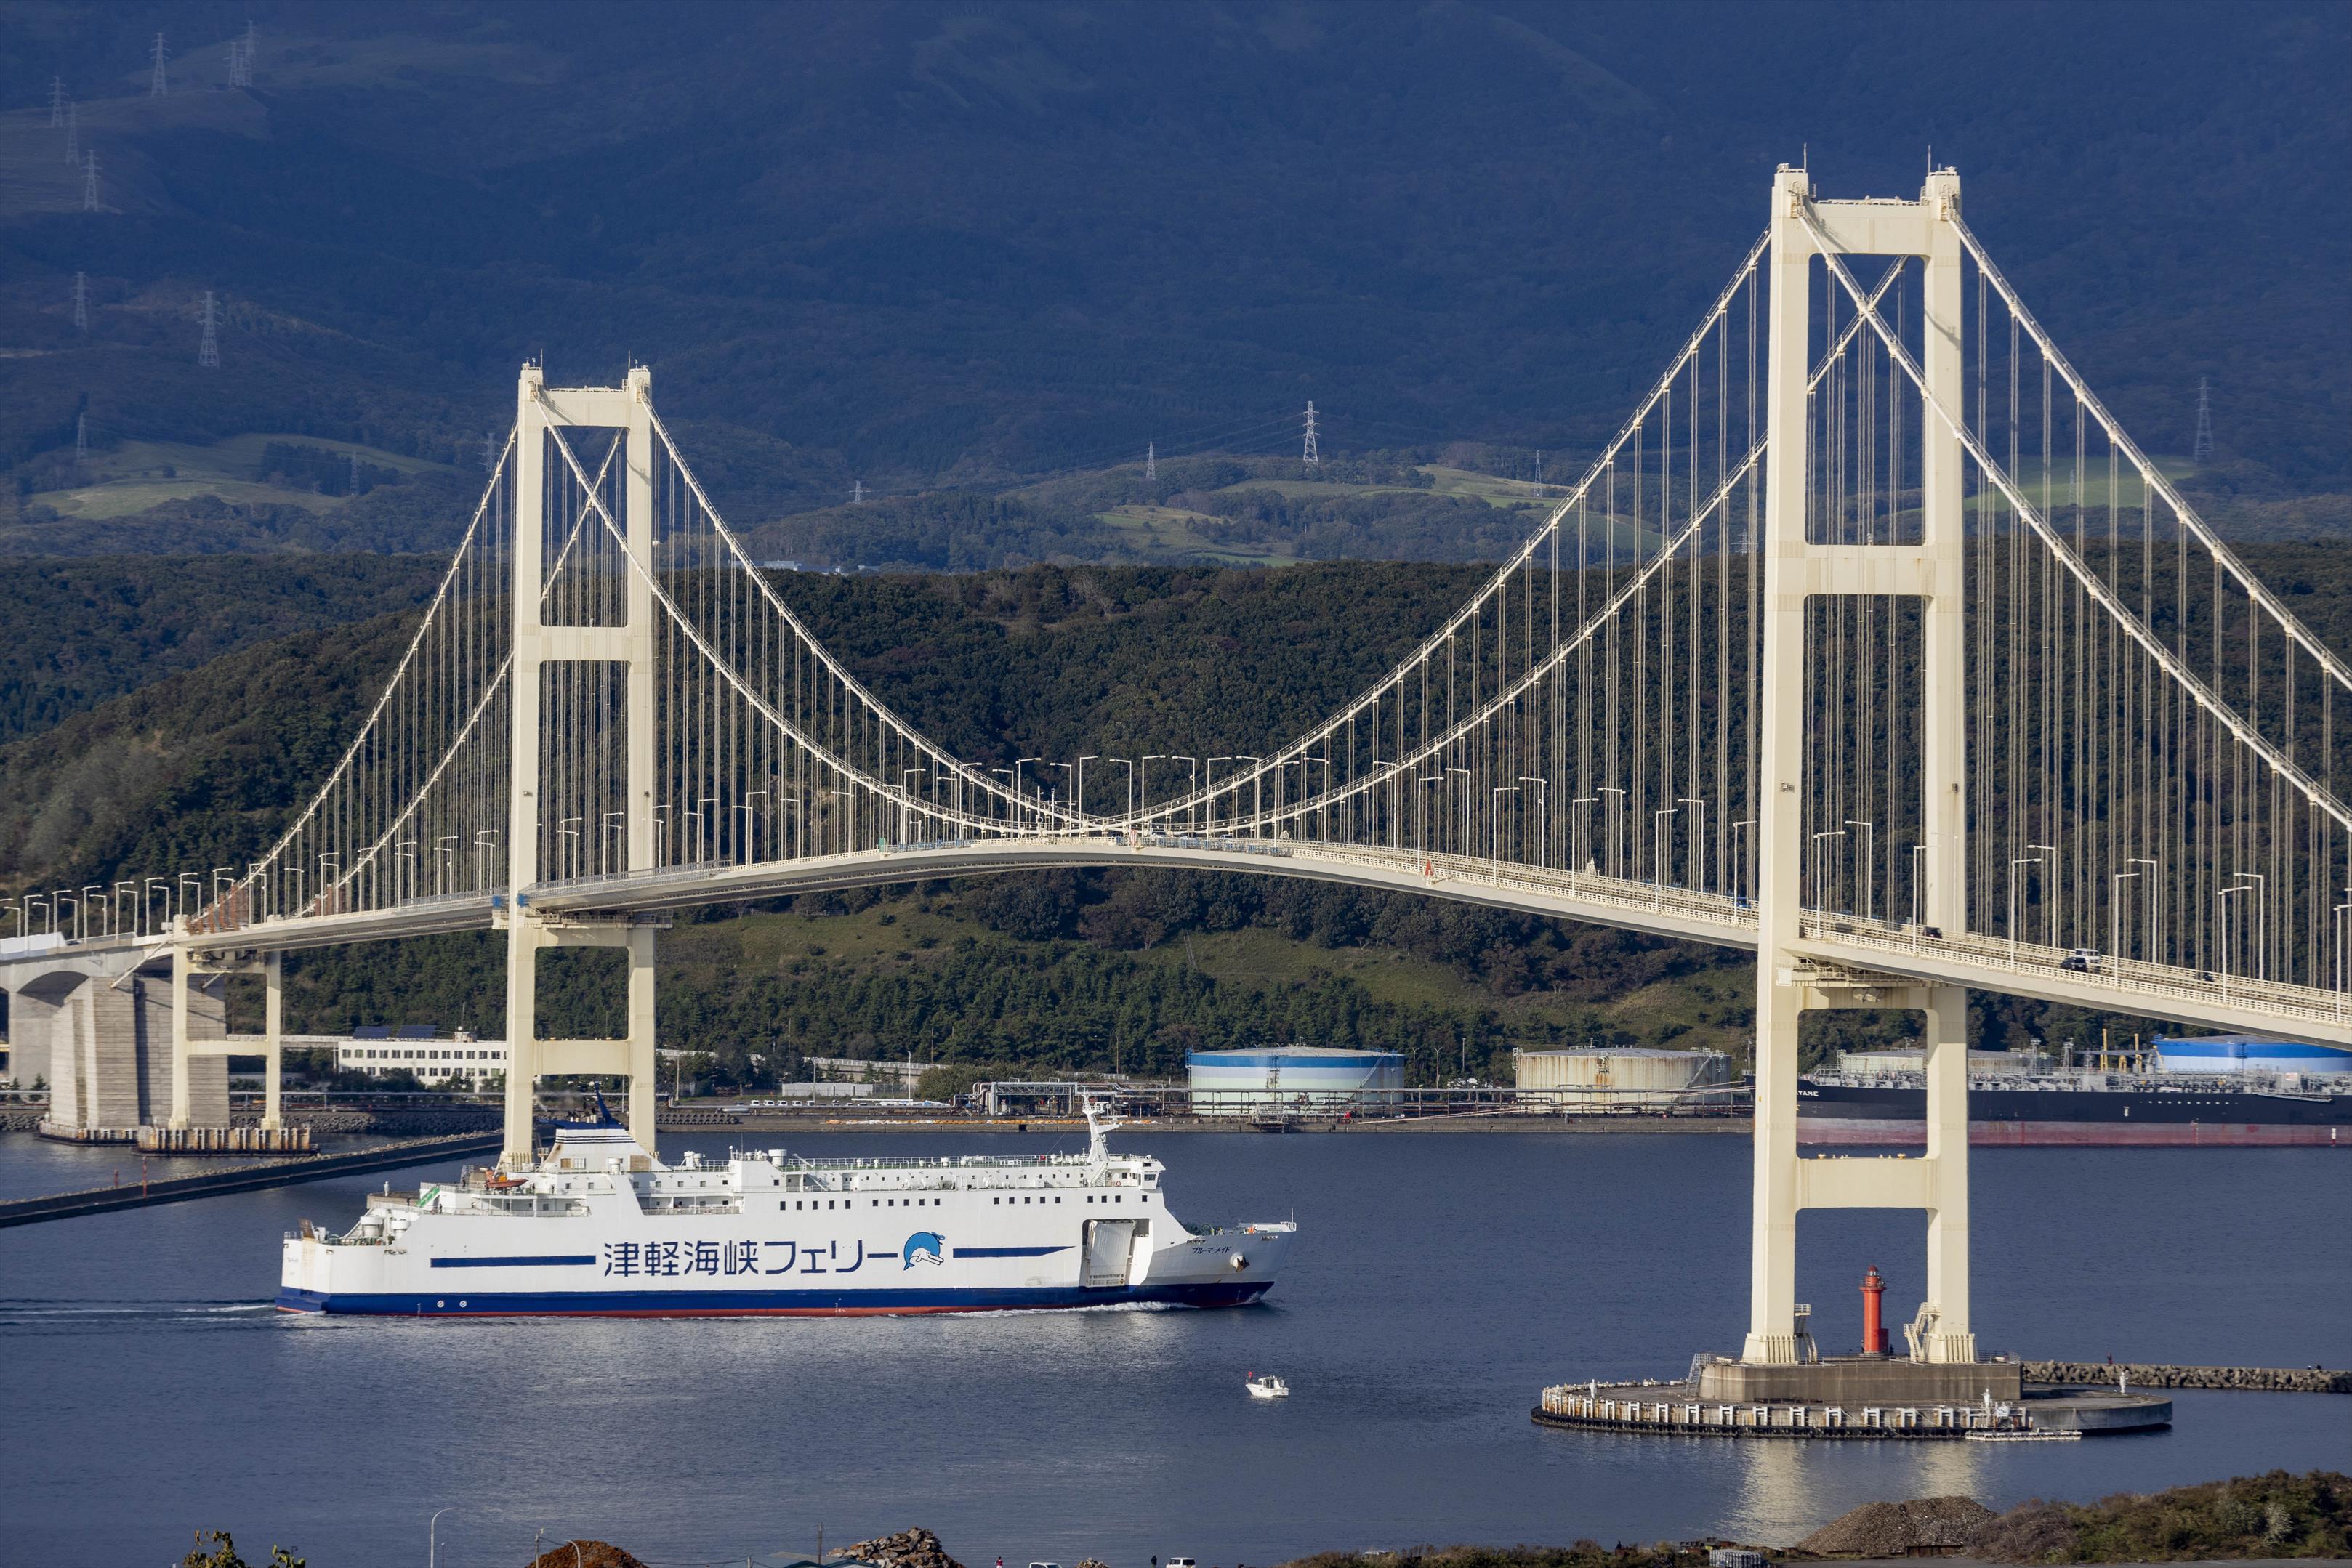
[772, 1303]
[600, 1228]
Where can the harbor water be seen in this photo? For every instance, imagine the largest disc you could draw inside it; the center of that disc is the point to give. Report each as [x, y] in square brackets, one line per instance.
[1441, 1279]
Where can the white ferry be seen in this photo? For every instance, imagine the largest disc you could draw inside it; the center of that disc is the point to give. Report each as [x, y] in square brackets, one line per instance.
[598, 1227]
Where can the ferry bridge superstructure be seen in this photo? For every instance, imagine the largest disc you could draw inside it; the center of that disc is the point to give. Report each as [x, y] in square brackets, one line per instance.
[1871, 642]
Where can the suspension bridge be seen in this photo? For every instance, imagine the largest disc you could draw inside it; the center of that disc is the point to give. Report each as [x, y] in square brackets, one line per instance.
[1870, 643]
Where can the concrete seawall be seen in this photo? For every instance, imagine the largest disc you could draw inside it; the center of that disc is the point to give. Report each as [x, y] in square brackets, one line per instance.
[244, 1178]
[2143, 1375]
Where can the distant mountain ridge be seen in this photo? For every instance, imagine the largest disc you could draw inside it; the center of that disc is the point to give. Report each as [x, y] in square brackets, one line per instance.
[926, 244]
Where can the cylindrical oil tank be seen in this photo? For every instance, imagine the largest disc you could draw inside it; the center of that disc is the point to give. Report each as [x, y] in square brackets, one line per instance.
[1292, 1077]
[1620, 1079]
[2249, 1053]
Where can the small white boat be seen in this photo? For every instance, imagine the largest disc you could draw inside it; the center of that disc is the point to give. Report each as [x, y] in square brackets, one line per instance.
[1268, 1388]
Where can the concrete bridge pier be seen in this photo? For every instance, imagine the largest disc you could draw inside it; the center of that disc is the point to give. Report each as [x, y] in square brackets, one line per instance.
[102, 1028]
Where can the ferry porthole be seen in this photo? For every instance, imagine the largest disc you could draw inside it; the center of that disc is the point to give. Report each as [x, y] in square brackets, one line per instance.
[440, 1304]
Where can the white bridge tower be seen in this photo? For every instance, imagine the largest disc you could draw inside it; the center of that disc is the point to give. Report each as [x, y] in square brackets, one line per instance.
[1791, 979]
[539, 648]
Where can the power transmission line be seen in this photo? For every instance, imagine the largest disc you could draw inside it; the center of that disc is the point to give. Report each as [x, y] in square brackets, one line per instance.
[1150, 461]
[82, 301]
[73, 134]
[160, 84]
[2202, 452]
[57, 101]
[89, 181]
[208, 351]
[1311, 458]
[240, 59]
[81, 440]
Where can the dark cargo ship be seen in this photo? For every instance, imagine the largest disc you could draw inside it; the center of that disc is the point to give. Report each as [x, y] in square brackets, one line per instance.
[2084, 1108]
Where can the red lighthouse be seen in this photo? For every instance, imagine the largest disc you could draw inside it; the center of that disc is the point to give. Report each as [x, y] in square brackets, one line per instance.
[1874, 1328]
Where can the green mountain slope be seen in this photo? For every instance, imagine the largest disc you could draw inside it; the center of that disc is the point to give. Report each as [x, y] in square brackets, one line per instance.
[83, 631]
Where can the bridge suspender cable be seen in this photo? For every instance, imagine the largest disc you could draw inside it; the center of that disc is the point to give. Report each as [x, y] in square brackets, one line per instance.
[2150, 474]
[727, 672]
[1299, 749]
[833, 666]
[2090, 581]
[1583, 634]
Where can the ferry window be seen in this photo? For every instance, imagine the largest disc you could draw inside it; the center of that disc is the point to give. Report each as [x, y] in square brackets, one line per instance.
[781, 1204]
[1057, 1198]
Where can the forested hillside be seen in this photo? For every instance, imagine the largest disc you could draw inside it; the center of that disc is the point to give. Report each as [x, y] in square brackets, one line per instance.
[81, 631]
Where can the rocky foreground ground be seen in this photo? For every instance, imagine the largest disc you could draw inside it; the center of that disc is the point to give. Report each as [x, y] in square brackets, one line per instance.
[2271, 1516]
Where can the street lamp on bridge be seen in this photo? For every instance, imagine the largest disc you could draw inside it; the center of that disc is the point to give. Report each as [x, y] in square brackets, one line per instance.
[1543, 819]
[1821, 880]
[1020, 788]
[1698, 837]
[2151, 892]
[2262, 921]
[1127, 763]
[2022, 860]
[1148, 761]
[1869, 870]
[2049, 925]
[1617, 868]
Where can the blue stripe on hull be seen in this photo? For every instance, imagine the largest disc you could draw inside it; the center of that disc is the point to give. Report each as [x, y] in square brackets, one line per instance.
[763, 1303]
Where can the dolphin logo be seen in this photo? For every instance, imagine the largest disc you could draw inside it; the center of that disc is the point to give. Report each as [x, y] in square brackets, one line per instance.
[922, 1247]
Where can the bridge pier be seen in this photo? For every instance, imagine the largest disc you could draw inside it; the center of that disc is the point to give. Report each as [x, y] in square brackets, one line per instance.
[1798, 567]
[103, 1028]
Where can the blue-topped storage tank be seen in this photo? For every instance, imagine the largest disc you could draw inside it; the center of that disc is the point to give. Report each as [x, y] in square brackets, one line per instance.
[1292, 1077]
[2248, 1053]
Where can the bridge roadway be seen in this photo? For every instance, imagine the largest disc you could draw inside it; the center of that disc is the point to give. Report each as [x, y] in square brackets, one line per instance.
[1847, 941]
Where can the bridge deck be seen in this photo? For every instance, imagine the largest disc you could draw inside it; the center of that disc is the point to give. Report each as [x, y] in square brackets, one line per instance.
[1973, 960]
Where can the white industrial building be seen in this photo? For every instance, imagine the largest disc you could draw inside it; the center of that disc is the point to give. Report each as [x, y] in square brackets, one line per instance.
[377, 1049]
[1620, 1079]
[1292, 1078]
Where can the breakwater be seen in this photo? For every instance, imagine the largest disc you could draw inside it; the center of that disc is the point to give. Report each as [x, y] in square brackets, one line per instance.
[243, 1178]
[2147, 1374]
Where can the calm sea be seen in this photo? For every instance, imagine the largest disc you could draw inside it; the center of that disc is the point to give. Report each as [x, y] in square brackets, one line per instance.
[1442, 1279]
